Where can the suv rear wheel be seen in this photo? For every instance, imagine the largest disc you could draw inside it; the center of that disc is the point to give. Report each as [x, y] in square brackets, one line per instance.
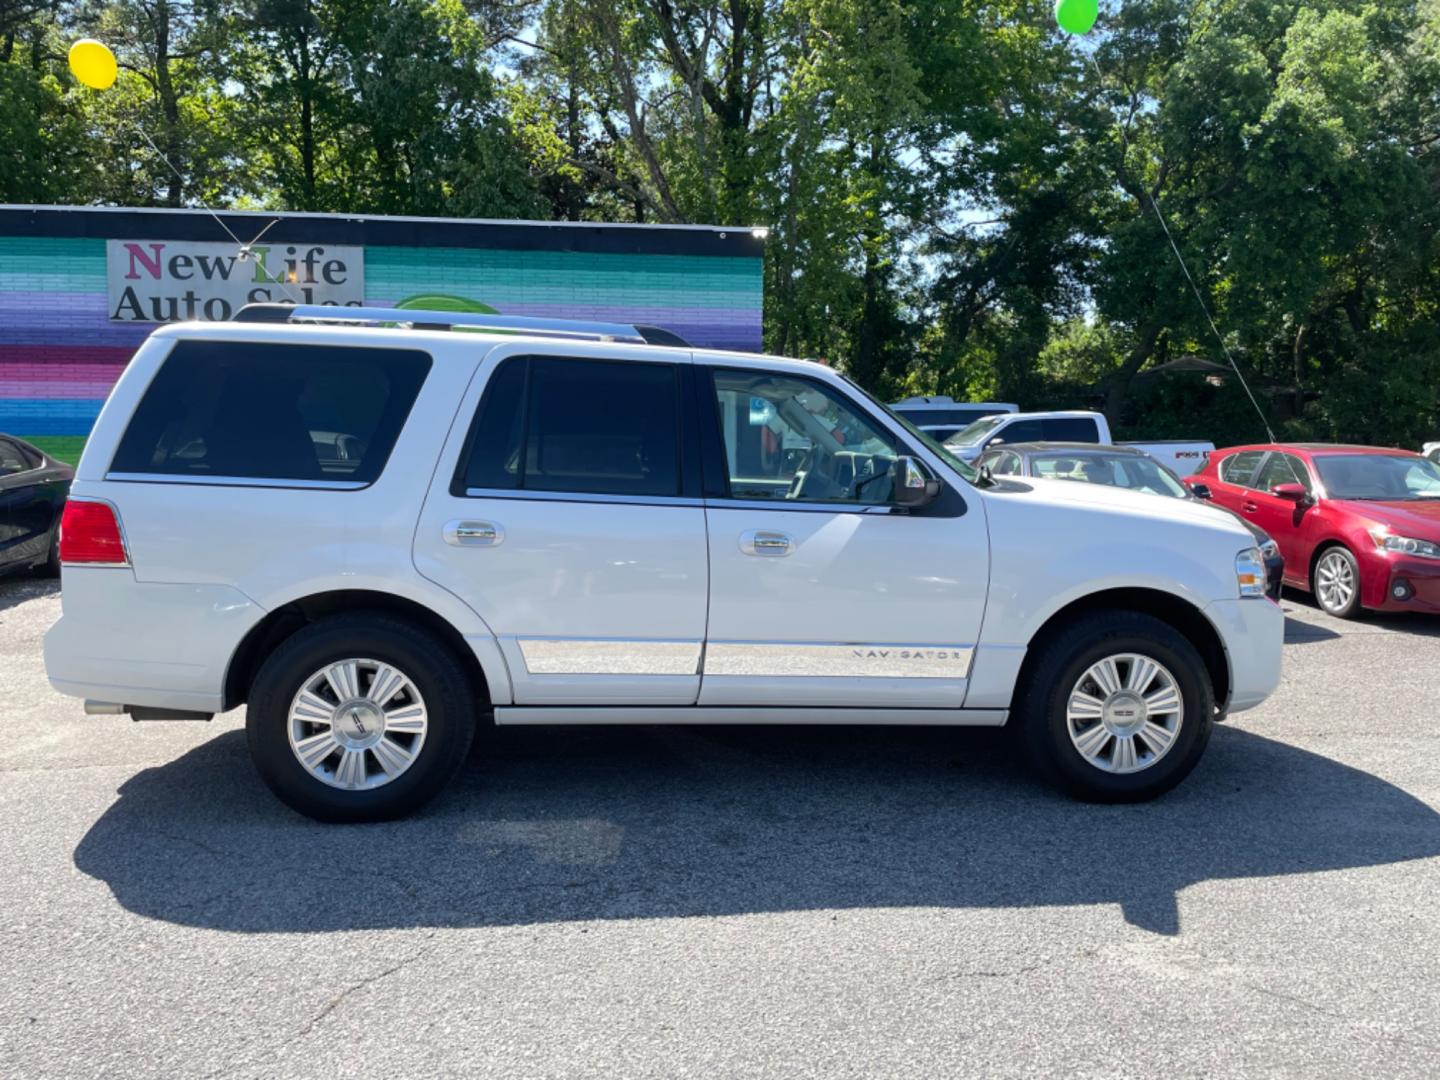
[359, 719]
[1118, 708]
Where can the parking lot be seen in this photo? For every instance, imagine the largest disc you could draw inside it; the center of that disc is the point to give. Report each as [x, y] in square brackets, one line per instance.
[731, 902]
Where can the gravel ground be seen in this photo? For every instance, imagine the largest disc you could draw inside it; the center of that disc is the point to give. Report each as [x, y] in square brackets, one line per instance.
[733, 902]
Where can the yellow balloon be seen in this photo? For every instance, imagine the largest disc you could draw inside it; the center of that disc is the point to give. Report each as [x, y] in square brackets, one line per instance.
[93, 64]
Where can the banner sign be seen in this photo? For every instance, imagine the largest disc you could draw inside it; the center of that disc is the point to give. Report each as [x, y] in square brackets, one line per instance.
[157, 281]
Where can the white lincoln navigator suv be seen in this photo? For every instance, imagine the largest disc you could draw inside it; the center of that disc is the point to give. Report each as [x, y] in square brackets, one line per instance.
[376, 535]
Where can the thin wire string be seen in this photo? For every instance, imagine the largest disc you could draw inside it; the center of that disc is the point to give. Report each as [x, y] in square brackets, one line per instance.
[1184, 266]
[244, 247]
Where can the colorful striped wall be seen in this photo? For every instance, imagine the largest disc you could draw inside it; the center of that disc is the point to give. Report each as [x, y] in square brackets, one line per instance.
[60, 353]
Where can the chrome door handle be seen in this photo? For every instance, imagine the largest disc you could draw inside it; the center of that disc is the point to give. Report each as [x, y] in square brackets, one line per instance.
[766, 543]
[473, 533]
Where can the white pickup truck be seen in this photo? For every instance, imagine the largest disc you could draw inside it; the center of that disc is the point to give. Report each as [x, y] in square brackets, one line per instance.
[376, 536]
[1183, 458]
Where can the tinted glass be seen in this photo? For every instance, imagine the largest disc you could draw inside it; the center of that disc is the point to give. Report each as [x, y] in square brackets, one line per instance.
[1069, 429]
[1378, 476]
[1022, 431]
[602, 427]
[591, 427]
[12, 459]
[494, 460]
[1240, 468]
[792, 439]
[272, 412]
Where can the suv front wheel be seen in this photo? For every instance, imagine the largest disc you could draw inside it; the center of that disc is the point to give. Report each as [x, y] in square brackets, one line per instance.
[1118, 707]
[359, 719]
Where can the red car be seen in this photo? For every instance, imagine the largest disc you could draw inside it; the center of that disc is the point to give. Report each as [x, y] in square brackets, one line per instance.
[1359, 526]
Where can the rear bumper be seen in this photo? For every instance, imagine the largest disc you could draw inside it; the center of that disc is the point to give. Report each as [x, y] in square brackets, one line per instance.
[1253, 633]
[143, 643]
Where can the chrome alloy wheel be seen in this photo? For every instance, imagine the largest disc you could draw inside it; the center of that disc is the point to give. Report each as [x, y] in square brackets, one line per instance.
[1334, 581]
[1124, 713]
[357, 724]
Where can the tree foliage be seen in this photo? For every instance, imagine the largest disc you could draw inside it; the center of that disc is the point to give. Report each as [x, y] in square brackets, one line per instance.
[960, 199]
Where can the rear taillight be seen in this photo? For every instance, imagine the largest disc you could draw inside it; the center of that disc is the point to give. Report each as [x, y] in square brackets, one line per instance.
[90, 533]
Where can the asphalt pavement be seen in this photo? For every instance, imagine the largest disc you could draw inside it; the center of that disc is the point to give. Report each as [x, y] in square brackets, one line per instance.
[670, 902]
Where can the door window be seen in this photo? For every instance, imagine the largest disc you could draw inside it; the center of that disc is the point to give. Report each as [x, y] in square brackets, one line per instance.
[595, 427]
[1006, 464]
[1281, 469]
[792, 439]
[1020, 431]
[1239, 469]
[13, 460]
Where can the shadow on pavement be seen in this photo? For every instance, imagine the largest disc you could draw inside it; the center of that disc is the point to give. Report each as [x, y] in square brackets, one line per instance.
[1298, 632]
[17, 588]
[574, 824]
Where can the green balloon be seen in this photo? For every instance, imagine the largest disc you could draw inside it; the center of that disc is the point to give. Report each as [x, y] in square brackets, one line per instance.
[1076, 16]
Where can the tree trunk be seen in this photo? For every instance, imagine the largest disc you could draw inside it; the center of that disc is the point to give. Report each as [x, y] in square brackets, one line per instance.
[1119, 389]
[169, 104]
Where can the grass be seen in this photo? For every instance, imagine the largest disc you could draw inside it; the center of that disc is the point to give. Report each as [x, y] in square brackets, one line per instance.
[64, 448]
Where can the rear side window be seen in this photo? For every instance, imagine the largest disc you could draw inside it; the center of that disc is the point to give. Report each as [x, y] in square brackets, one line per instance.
[1071, 429]
[1240, 468]
[228, 409]
[13, 460]
[594, 427]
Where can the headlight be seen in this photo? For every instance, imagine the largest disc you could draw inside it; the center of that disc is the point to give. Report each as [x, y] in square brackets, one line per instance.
[1250, 572]
[1385, 540]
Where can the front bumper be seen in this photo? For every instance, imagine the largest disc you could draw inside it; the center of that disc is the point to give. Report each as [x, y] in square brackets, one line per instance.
[1253, 633]
[1419, 579]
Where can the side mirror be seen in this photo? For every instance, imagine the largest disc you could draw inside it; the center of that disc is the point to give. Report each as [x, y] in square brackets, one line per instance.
[1295, 493]
[915, 486]
[1201, 491]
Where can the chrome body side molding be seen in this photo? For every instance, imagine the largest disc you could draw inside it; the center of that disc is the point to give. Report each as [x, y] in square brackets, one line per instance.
[745, 714]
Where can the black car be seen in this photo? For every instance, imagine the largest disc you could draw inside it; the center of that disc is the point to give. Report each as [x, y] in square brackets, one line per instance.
[33, 487]
[1117, 466]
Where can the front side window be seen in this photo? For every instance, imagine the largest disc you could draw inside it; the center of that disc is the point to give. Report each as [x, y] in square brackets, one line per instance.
[1020, 431]
[1281, 469]
[1239, 469]
[1380, 477]
[595, 427]
[793, 439]
[229, 409]
[977, 432]
[1006, 465]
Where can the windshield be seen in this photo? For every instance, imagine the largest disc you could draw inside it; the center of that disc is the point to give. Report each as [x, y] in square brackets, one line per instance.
[969, 472]
[976, 432]
[1389, 478]
[1124, 471]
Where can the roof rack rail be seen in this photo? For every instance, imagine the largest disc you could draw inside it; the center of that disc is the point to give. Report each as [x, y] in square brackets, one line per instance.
[447, 320]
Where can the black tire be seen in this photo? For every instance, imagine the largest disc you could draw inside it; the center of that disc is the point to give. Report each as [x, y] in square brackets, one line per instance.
[50, 568]
[1351, 610]
[450, 703]
[1058, 666]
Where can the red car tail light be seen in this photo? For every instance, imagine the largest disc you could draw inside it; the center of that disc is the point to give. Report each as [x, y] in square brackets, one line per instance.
[90, 533]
